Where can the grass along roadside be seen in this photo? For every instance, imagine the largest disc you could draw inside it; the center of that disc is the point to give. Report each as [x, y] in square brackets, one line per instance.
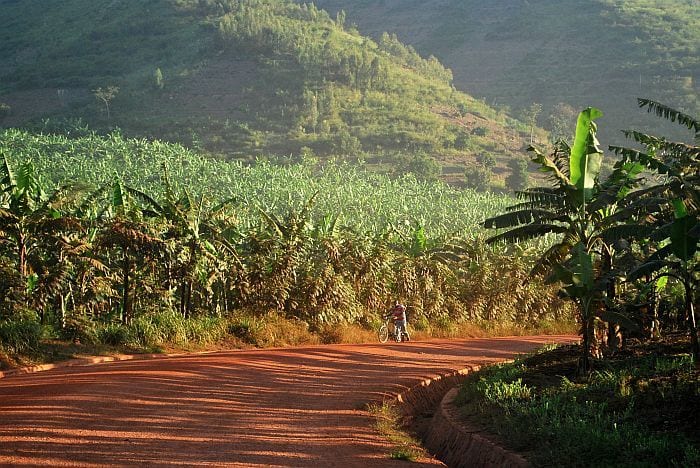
[388, 423]
[639, 408]
[26, 343]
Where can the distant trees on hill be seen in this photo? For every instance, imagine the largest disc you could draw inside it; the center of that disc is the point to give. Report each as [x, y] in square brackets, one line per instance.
[256, 79]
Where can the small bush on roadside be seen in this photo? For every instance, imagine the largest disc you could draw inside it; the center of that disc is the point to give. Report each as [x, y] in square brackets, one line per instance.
[245, 327]
[388, 423]
[206, 330]
[20, 336]
[420, 323]
[114, 334]
[170, 328]
[79, 329]
[276, 331]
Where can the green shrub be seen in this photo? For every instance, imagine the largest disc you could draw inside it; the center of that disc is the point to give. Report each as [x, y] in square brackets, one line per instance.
[245, 328]
[158, 329]
[478, 178]
[420, 323]
[596, 417]
[272, 329]
[171, 327]
[115, 335]
[79, 329]
[20, 336]
[145, 333]
[206, 330]
[445, 324]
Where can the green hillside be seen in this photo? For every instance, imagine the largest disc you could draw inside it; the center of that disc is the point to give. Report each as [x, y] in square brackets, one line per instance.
[603, 53]
[243, 79]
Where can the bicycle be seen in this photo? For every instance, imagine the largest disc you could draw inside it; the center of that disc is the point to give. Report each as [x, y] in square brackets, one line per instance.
[389, 329]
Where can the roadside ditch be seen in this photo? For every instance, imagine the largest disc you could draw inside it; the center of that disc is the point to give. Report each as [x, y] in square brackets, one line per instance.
[428, 411]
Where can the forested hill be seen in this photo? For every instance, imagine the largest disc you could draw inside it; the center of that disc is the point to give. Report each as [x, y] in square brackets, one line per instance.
[245, 79]
[602, 53]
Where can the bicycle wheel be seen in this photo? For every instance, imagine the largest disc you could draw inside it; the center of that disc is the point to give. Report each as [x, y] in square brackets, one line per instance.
[383, 333]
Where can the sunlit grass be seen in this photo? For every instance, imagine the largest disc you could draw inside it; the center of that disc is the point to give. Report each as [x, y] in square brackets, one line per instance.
[388, 424]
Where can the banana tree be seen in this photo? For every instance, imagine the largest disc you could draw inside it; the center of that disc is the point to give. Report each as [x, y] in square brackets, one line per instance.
[425, 268]
[276, 254]
[679, 259]
[670, 208]
[129, 238]
[34, 229]
[199, 237]
[574, 210]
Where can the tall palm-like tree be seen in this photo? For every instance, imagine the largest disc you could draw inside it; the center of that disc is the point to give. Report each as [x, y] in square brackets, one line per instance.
[129, 238]
[425, 270]
[669, 209]
[574, 210]
[276, 252]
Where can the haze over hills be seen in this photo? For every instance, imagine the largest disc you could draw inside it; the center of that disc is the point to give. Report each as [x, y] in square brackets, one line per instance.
[513, 53]
[244, 79]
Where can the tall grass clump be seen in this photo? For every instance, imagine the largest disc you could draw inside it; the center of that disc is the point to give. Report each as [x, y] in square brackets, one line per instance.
[115, 334]
[20, 336]
[159, 329]
[388, 423]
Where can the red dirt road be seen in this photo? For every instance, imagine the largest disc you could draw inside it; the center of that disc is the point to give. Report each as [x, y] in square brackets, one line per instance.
[280, 407]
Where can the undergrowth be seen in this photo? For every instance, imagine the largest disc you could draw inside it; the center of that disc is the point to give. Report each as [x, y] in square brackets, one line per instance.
[388, 423]
[637, 410]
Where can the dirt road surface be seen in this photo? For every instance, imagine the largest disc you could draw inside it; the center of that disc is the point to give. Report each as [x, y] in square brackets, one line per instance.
[282, 407]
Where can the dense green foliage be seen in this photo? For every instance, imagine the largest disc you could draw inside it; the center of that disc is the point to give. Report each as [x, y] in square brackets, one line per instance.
[619, 417]
[149, 227]
[618, 235]
[242, 79]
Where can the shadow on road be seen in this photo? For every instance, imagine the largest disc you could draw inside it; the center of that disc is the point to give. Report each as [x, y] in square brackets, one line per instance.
[283, 407]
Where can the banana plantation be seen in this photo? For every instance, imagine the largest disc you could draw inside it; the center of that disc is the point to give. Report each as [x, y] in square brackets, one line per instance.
[101, 236]
[109, 239]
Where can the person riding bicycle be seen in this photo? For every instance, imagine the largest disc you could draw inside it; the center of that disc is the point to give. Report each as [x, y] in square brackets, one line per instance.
[398, 314]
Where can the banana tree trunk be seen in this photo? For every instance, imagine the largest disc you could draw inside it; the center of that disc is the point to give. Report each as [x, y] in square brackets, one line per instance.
[587, 336]
[185, 297]
[690, 317]
[22, 255]
[126, 286]
[614, 338]
[188, 303]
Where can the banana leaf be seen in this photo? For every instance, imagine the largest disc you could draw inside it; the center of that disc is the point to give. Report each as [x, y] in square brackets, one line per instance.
[684, 245]
[586, 158]
[646, 269]
[626, 231]
[621, 319]
[527, 232]
[517, 218]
